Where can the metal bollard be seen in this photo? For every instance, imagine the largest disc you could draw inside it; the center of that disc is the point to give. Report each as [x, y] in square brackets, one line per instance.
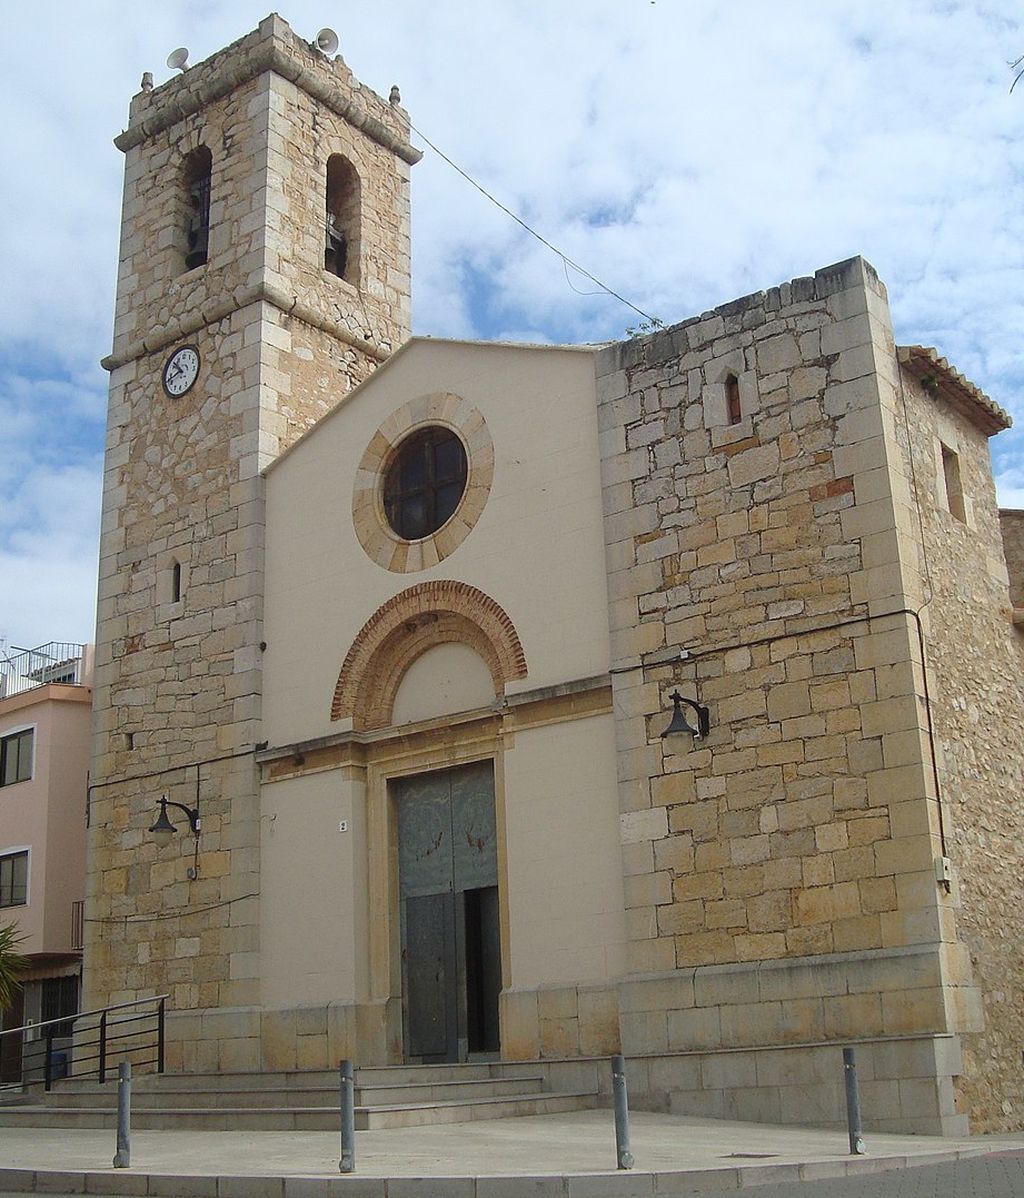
[123, 1156]
[623, 1156]
[852, 1104]
[347, 1164]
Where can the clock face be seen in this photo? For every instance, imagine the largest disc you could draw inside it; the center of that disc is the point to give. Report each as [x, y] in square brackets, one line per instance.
[181, 370]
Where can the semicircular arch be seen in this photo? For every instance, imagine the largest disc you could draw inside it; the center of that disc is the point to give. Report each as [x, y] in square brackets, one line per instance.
[404, 628]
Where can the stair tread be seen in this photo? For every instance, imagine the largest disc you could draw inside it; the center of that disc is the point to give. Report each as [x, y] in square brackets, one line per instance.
[301, 1089]
[479, 1100]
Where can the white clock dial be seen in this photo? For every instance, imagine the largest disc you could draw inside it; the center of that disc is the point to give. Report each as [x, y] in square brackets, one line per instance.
[181, 370]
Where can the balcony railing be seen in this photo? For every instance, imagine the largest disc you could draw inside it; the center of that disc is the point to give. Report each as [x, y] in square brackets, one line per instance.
[78, 924]
[24, 669]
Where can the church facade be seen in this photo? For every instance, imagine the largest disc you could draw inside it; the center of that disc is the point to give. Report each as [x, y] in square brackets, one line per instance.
[394, 625]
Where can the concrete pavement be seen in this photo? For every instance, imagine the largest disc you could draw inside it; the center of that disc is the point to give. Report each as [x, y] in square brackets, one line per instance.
[567, 1156]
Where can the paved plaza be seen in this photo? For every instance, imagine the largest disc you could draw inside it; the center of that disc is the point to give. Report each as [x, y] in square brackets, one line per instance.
[567, 1156]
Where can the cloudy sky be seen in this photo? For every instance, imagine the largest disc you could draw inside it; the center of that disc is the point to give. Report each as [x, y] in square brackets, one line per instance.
[686, 152]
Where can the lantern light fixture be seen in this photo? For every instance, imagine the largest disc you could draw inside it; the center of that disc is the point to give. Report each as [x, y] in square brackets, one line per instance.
[163, 829]
[679, 722]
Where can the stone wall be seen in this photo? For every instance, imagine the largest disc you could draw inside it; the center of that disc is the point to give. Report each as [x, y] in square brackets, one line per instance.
[179, 680]
[767, 569]
[976, 671]
[748, 565]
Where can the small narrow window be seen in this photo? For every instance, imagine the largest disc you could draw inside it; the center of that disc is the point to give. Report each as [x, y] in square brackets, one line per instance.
[198, 173]
[14, 880]
[176, 582]
[16, 757]
[954, 487]
[733, 407]
[341, 229]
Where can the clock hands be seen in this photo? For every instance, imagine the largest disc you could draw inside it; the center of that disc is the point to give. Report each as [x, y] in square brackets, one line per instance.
[180, 371]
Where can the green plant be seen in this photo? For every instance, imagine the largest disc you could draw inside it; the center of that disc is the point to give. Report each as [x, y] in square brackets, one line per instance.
[644, 328]
[12, 964]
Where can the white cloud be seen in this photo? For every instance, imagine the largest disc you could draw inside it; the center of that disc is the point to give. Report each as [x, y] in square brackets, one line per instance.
[48, 559]
[685, 154]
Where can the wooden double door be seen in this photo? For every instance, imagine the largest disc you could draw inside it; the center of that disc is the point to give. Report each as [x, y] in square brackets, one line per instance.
[448, 887]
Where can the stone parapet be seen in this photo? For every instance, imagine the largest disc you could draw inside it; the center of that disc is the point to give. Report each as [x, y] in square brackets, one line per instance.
[271, 47]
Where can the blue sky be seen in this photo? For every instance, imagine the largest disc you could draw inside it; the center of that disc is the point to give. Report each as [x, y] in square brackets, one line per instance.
[685, 152]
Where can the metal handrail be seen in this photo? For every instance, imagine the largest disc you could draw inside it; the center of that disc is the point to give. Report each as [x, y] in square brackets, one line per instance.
[118, 1006]
[104, 1040]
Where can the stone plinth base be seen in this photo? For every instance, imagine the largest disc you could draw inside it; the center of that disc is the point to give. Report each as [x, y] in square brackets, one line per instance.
[906, 1085]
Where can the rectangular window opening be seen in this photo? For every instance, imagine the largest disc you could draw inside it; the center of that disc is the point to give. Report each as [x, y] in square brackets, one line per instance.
[14, 879]
[732, 399]
[954, 487]
[16, 757]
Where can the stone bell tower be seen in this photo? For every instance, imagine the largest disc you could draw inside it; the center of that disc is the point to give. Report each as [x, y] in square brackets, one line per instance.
[264, 272]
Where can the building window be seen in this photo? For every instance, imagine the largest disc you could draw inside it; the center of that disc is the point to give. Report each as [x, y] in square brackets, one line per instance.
[954, 487]
[16, 757]
[198, 175]
[425, 482]
[734, 410]
[176, 582]
[14, 879]
[341, 232]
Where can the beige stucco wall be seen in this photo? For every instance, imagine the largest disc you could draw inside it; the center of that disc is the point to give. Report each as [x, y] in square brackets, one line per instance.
[536, 549]
[564, 863]
[46, 813]
[446, 679]
[314, 931]
[560, 874]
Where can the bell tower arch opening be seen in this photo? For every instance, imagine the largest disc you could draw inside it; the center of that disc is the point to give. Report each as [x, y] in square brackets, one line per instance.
[342, 220]
[198, 180]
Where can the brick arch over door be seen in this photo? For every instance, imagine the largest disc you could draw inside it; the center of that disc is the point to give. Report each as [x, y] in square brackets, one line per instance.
[417, 619]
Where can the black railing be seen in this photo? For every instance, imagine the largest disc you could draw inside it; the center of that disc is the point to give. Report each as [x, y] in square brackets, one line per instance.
[91, 1043]
[78, 924]
[25, 669]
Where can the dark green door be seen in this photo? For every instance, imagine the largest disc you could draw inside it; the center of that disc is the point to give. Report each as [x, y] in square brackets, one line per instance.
[448, 887]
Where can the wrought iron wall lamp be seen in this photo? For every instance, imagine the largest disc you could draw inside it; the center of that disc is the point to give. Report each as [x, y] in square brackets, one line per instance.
[163, 829]
[679, 722]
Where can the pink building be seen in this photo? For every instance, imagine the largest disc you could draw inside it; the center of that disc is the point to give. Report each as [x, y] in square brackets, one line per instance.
[45, 708]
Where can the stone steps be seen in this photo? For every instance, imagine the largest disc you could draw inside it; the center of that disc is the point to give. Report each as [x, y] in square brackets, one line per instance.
[297, 1118]
[386, 1096]
[392, 1094]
